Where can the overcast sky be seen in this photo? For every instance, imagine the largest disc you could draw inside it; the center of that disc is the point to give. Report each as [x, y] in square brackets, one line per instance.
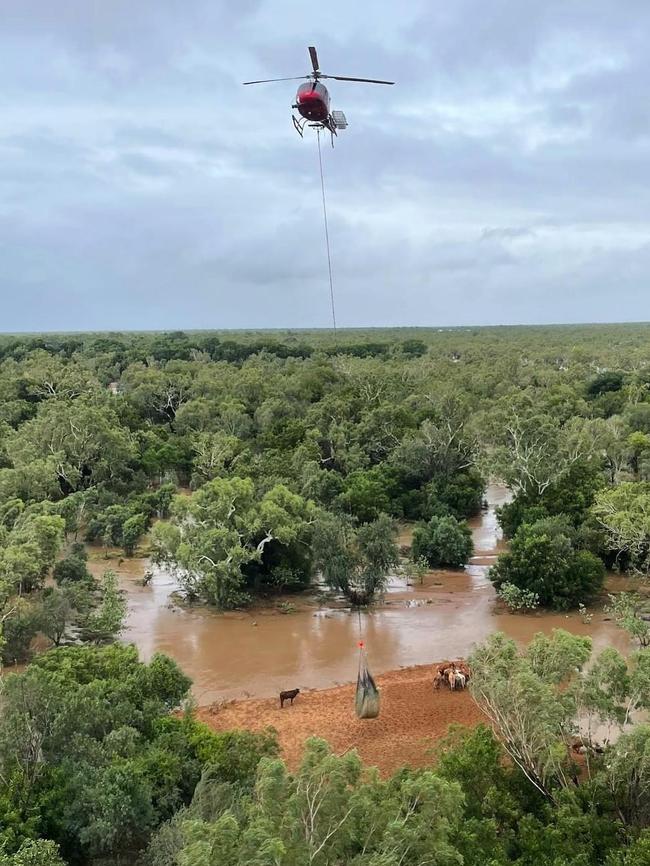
[504, 179]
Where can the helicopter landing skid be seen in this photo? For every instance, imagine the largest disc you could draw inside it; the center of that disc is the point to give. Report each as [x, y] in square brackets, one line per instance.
[299, 125]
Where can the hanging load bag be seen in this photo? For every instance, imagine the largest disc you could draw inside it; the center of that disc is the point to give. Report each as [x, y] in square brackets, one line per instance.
[366, 702]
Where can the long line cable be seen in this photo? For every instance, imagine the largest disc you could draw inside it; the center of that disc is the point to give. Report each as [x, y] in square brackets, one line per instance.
[327, 234]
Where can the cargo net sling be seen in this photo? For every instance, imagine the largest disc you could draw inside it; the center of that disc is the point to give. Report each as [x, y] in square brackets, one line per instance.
[366, 701]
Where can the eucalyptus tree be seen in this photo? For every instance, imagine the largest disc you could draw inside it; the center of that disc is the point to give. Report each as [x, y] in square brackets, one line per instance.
[355, 561]
[541, 698]
[223, 528]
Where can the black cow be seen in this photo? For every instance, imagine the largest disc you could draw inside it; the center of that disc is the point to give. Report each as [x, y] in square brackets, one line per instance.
[288, 696]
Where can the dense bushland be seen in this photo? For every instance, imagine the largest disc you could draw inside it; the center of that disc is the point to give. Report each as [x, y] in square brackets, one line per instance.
[280, 442]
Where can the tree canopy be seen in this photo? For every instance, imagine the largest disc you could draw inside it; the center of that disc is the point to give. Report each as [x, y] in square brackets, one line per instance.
[224, 528]
[443, 541]
[544, 559]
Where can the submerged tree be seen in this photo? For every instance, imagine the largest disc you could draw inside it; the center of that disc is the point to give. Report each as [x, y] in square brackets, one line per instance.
[630, 612]
[105, 619]
[443, 541]
[356, 562]
[544, 560]
[224, 527]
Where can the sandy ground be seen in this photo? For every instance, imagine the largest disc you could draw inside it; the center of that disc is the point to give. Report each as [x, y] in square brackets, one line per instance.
[413, 717]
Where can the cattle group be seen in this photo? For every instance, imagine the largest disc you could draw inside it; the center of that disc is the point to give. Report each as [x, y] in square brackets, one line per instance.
[454, 675]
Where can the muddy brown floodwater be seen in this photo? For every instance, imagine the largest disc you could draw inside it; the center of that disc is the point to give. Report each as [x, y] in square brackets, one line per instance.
[259, 652]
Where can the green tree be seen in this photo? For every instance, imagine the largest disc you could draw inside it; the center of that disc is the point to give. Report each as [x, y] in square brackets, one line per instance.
[365, 494]
[85, 439]
[105, 621]
[639, 445]
[543, 560]
[10, 511]
[34, 852]
[133, 529]
[606, 382]
[526, 697]
[630, 612]
[443, 446]
[356, 562]
[49, 377]
[89, 752]
[29, 550]
[56, 615]
[539, 699]
[461, 493]
[517, 599]
[529, 449]
[636, 854]
[327, 813]
[72, 569]
[221, 529]
[623, 513]
[572, 495]
[472, 757]
[20, 622]
[413, 348]
[513, 514]
[65, 607]
[113, 808]
[627, 775]
[443, 541]
[215, 454]
[159, 392]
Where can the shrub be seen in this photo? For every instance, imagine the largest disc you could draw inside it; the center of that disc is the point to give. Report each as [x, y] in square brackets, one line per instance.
[516, 598]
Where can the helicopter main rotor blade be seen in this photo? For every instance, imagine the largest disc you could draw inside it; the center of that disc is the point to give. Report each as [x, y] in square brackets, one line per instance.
[314, 57]
[366, 80]
[268, 80]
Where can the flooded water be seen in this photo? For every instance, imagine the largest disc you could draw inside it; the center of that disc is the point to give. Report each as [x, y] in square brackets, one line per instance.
[258, 653]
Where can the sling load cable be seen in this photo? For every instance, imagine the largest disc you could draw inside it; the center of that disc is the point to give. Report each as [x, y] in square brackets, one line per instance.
[327, 234]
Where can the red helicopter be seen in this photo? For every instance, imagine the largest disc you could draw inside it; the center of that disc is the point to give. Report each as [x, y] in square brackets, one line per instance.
[313, 100]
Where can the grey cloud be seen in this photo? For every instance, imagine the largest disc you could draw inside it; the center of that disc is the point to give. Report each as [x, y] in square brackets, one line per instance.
[505, 178]
[507, 233]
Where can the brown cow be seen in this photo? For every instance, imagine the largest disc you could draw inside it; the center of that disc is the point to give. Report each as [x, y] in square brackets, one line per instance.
[453, 674]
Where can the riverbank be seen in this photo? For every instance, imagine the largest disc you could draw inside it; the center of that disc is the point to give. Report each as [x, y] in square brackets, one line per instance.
[413, 719]
[310, 642]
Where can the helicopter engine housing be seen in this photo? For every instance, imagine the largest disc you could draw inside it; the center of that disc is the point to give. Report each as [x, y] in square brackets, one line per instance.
[313, 101]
